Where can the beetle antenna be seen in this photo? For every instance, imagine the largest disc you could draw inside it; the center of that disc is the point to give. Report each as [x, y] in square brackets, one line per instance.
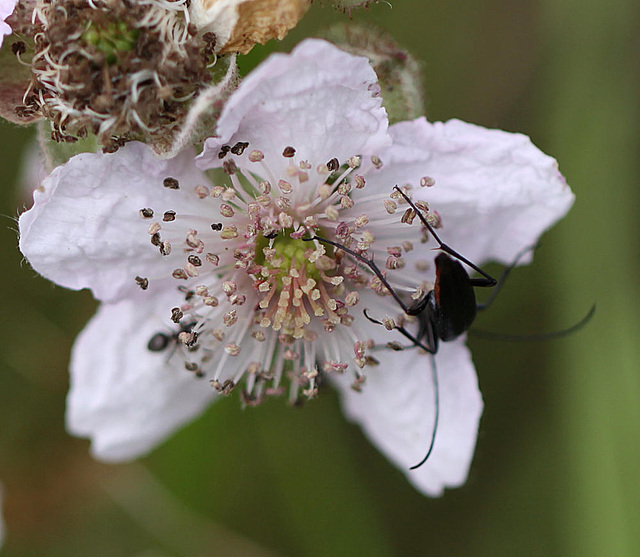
[436, 391]
[490, 335]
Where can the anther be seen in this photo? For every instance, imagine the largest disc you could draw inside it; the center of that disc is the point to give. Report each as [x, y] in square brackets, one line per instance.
[289, 152]
[18, 48]
[427, 182]
[165, 248]
[216, 226]
[223, 151]
[256, 156]
[285, 186]
[239, 147]
[229, 167]
[390, 206]
[333, 165]
[226, 210]
[169, 216]
[171, 183]
[146, 213]
[143, 283]
[188, 338]
[194, 260]
[229, 232]
[176, 315]
[202, 191]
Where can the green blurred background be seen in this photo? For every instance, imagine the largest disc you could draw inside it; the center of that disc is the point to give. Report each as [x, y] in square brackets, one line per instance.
[556, 468]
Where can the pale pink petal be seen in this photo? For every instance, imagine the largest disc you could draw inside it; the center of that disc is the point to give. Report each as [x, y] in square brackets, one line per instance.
[6, 9]
[85, 230]
[124, 397]
[495, 191]
[318, 99]
[396, 411]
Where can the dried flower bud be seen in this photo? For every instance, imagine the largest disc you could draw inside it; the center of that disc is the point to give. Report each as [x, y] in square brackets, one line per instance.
[239, 24]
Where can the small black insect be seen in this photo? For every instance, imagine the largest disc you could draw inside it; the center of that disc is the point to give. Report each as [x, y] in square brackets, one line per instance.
[161, 340]
[448, 310]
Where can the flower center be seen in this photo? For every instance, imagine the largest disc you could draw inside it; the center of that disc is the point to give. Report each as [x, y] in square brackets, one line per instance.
[111, 39]
[264, 303]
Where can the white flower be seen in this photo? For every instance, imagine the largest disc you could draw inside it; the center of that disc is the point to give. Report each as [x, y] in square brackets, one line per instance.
[6, 9]
[306, 149]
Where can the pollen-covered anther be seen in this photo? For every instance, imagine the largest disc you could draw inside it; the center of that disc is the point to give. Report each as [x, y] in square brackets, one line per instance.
[201, 290]
[355, 161]
[422, 205]
[188, 338]
[229, 287]
[232, 349]
[311, 392]
[434, 219]
[217, 191]
[226, 210]
[256, 156]
[344, 188]
[427, 182]
[376, 162]
[171, 183]
[335, 367]
[332, 213]
[419, 293]
[229, 232]
[237, 299]
[180, 274]
[346, 202]
[176, 315]
[202, 191]
[393, 263]
[361, 221]
[359, 181]
[165, 248]
[239, 148]
[191, 270]
[390, 206]
[210, 301]
[408, 216]
[229, 167]
[229, 194]
[324, 191]
[154, 228]
[388, 323]
[230, 318]
[225, 388]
